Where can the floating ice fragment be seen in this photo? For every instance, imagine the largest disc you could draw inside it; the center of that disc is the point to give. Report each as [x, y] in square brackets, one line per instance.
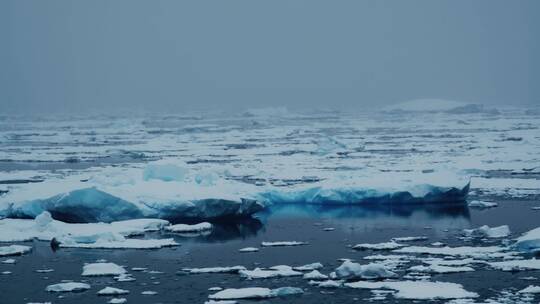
[254, 293]
[9, 261]
[452, 251]
[232, 269]
[282, 243]
[272, 272]
[102, 269]
[419, 290]
[248, 249]
[516, 265]
[482, 204]
[111, 291]
[315, 275]
[189, 228]
[14, 250]
[530, 289]
[164, 171]
[410, 239]
[349, 270]
[149, 293]
[379, 246]
[529, 241]
[67, 287]
[486, 231]
[117, 301]
[440, 269]
[308, 267]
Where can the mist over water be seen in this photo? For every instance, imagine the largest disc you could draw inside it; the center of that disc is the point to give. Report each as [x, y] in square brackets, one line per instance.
[172, 56]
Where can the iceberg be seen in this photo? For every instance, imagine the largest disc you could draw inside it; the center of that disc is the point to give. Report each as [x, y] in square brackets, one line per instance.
[167, 191]
[420, 194]
[529, 241]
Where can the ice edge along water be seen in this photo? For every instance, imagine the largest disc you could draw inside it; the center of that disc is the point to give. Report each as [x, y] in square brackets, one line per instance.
[116, 194]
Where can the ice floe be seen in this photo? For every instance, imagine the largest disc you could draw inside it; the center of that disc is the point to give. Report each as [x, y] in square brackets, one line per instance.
[350, 270]
[68, 287]
[465, 251]
[102, 269]
[189, 228]
[434, 268]
[488, 232]
[482, 204]
[117, 301]
[272, 272]
[254, 293]
[516, 265]
[315, 275]
[14, 250]
[232, 269]
[379, 246]
[410, 239]
[248, 249]
[112, 291]
[530, 289]
[308, 267]
[419, 290]
[283, 243]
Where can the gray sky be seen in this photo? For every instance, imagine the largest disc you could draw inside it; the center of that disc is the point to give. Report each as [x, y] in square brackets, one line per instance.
[173, 55]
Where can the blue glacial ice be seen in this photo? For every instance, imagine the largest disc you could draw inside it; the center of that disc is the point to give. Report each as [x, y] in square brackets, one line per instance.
[171, 191]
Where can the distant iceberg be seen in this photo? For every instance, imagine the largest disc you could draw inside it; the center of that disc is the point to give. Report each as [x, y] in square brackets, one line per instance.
[434, 105]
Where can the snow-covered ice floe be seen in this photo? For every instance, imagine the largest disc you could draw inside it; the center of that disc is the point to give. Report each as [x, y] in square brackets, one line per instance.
[180, 228]
[272, 272]
[254, 293]
[14, 250]
[102, 269]
[167, 190]
[488, 232]
[68, 287]
[464, 251]
[350, 270]
[231, 269]
[482, 204]
[112, 291]
[419, 290]
[115, 235]
[516, 265]
[283, 243]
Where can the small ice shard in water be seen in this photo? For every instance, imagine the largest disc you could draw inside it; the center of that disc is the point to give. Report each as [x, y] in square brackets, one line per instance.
[67, 287]
[482, 204]
[189, 228]
[282, 243]
[14, 250]
[149, 293]
[117, 301]
[379, 246]
[254, 293]
[327, 284]
[249, 249]
[102, 269]
[529, 241]
[350, 270]
[9, 261]
[111, 291]
[487, 232]
[215, 289]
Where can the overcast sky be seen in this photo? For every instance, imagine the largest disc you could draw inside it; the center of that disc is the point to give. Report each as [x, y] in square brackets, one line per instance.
[174, 55]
